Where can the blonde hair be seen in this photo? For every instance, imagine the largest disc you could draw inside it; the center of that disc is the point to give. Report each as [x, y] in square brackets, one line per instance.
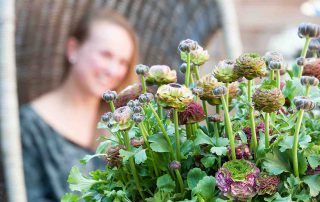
[81, 30]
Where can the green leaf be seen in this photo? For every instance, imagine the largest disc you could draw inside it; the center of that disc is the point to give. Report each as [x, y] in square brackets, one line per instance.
[313, 181]
[276, 163]
[243, 137]
[205, 188]
[140, 156]
[159, 143]
[125, 155]
[287, 142]
[303, 164]
[187, 147]
[208, 161]
[70, 198]
[194, 176]
[103, 147]
[314, 161]
[222, 142]
[87, 158]
[202, 138]
[277, 198]
[165, 183]
[219, 150]
[78, 182]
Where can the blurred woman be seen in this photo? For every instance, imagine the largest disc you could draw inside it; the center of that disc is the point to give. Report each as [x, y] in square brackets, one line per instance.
[59, 128]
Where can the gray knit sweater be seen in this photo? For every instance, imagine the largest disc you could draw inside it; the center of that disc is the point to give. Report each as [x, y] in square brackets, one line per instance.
[48, 158]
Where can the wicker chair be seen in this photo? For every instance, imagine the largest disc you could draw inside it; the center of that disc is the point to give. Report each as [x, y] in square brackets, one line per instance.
[43, 25]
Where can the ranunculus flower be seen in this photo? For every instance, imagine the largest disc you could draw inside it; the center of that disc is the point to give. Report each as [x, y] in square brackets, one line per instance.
[161, 74]
[267, 184]
[121, 119]
[198, 56]
[192, 114]
[250, 66]
[224, 71]
[236, 179]
[174, 95]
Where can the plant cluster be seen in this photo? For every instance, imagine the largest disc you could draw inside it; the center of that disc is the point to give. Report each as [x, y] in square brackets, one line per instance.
[261, 143]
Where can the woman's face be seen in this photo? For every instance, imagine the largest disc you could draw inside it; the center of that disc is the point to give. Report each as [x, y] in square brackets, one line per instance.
[101, 62]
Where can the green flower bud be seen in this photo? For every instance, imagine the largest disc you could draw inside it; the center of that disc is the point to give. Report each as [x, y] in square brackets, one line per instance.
[250, 66]
[161, 74]
[174, 95]
[309, 30]
[309, 80]
[268, 98]
[122, 117]
[224, 71]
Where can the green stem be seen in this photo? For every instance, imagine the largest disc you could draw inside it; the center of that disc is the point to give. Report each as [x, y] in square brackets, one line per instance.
[295, 144]
[196, 71]
[314, 54]
[229, 128]
[145, 135]
[188, 131]
[266, 129]
[204, 106]
[132, 164]
[278, 78]
[216, 134]
[160, 111]
[271, 75]
[176, 132]
[180, 180]
[191, 78]
[307, 90]
[143, 83]
[111, 104]
[304, 53]
[163, 130]
[227, 94]
[254, 141]
[194, 128]
[187, 76]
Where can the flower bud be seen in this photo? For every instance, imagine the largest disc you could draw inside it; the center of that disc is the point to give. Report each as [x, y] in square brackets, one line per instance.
[314, 45]
[303, 103]
[137, 142]
[300, 61]
[197, 56]
[183, 67]
[250, 66]
[106, 116]
[142, 69]
[187, 45]
[309, 80]
[122, 117]
[215, 118]
[174, 165]
[109, 96]
[309, 30]
[145, 98]
[272, 56]
[275, 65]
[131, 104]
[137, 109]
[197, 91]
[291, 110]
[137, 118]
[219, 91]
[224, 71]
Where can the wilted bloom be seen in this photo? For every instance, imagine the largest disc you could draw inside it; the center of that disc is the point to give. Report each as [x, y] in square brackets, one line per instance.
[224, 71]
[122, 117]
[268, 98]
[308, 30]
[174, 95]
[161, 74]
[192, 114]
[309, 81]
[109, 96]
[198, 56]
[215, 118]
[174, 165]
[242, 151]
[267, 184]
[250, 66]
[142, 69]
[113, 155]
[236, 179]
[303, 103]
[137, 142]
[312, 68]
[187, 45]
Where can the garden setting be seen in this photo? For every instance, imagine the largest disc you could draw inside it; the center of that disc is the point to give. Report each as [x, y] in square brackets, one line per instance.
[247, 131]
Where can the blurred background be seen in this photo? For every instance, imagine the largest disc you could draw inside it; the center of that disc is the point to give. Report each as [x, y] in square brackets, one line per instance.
[224, 27]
